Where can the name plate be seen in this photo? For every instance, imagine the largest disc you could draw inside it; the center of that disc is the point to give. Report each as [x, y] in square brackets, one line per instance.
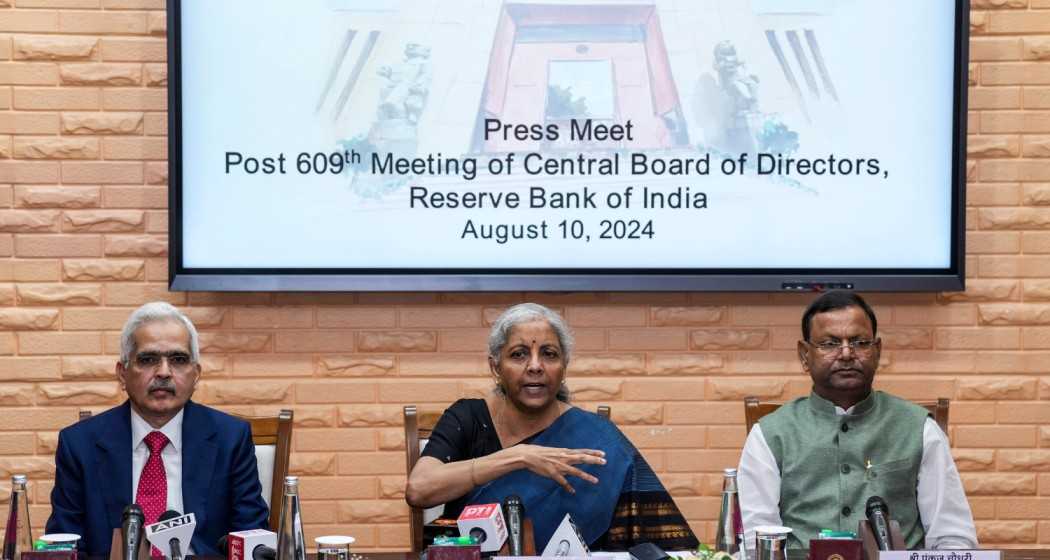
[940, 555]
[542, 558]
[593, 556]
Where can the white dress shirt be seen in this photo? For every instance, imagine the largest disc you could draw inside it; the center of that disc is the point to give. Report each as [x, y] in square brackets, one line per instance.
[171, 455]
[943, 509]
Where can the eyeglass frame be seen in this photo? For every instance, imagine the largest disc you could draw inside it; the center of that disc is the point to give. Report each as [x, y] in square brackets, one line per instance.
[851, 343]
[162, 358]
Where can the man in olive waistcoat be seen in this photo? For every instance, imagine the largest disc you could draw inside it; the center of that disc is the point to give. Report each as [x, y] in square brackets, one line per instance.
[813, 463]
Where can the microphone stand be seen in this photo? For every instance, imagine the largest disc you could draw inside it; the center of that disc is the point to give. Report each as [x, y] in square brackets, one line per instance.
[871, 548]
[528, 541]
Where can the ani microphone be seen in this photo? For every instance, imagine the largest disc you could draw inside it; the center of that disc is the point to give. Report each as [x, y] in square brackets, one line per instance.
[879, 517]
[172, 533]
[175, 543]
[514, 511]
[131, 531]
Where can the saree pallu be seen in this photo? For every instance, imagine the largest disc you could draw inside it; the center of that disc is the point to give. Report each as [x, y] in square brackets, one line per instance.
[628, 506]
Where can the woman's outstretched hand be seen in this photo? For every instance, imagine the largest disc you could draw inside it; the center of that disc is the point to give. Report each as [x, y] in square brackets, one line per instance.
[556, 463]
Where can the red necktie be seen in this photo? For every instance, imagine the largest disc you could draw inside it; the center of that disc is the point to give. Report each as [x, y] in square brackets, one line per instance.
[152, 494]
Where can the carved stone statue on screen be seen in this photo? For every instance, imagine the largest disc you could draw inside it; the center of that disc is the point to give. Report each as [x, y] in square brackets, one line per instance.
[741, 87]
[402, 99]
[404, 94]
[741, 90]
[727, 105]
[727, 102]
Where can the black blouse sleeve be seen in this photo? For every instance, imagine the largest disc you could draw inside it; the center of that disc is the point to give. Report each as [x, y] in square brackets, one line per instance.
[451, 438]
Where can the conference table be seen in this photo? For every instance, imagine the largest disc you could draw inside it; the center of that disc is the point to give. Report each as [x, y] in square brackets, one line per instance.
[793, 554]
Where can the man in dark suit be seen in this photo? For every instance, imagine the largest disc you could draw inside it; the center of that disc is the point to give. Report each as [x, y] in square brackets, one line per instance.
[158, 449]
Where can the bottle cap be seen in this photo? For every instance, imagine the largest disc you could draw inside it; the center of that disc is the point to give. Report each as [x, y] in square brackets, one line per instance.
[291, 485]
[730, 472]
[18, 479]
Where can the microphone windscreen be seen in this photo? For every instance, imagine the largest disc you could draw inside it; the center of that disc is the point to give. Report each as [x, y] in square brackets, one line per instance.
[170, 514]
[134, 510]
[513, 501]
[876, 503]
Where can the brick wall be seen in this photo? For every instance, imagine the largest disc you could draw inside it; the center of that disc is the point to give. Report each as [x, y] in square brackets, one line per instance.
[83, 239]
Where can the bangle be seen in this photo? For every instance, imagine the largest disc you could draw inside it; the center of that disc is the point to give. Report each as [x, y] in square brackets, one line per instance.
[473, 481]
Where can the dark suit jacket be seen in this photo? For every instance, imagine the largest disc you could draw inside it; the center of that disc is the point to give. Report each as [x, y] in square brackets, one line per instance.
[220, 481]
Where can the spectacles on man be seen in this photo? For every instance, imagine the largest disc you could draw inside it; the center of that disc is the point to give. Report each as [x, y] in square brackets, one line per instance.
[152, 360]
[834, 346]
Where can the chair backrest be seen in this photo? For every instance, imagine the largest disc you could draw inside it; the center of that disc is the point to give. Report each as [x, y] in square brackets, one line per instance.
[418, 426]
[272, 436]
[417, 431]
[755, 409]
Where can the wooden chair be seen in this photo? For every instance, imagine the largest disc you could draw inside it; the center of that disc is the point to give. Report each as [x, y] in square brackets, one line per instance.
[754, 409]
[417, 431]
[272, 436]
[418, 427]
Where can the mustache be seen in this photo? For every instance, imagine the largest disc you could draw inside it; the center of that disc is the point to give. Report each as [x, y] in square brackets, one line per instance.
[162, 385]
[842, 365]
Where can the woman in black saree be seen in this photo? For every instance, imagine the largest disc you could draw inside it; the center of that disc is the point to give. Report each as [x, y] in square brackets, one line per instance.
[526, 439]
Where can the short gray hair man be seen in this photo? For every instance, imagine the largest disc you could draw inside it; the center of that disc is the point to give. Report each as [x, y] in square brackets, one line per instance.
[151, 312]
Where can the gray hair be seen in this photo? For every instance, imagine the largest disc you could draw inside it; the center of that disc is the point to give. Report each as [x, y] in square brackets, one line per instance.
[149, 313]
[527, 313]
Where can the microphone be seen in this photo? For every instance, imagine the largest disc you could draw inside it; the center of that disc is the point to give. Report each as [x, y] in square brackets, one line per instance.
[131, 531]
[878, 516]
[253, 544]
[172, 533]
[176, 549]
[485, 523]
[514, 512]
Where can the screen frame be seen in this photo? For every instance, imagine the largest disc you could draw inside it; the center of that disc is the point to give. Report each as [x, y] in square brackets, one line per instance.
[951, 278]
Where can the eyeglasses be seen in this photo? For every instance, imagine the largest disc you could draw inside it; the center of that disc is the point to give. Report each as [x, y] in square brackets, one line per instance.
[834, 346]
[151, 360]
